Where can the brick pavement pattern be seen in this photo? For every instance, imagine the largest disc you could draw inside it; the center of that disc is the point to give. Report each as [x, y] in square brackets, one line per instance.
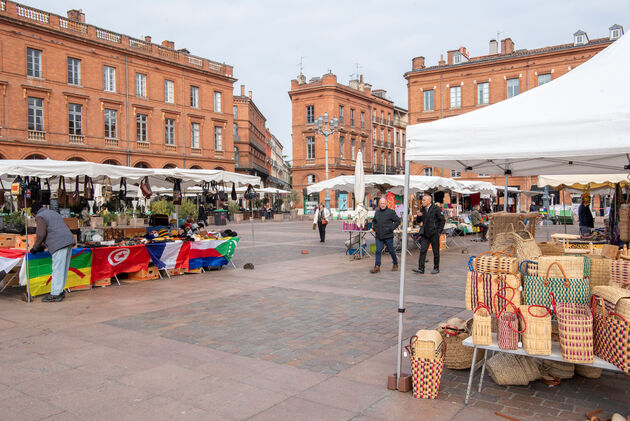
[303, 336]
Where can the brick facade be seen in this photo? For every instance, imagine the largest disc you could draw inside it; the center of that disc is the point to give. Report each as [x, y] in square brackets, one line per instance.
[59, 86]
[454, 86]
[250, 136]
[368, 121]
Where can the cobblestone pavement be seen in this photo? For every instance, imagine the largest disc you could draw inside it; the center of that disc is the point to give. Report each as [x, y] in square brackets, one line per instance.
[303, 336]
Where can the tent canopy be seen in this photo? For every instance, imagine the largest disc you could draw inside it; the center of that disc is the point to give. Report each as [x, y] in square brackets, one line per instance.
[582, 182]
[394, 183]
[576, 124]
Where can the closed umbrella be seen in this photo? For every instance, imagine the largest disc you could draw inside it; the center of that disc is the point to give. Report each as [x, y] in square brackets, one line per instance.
[360, 213]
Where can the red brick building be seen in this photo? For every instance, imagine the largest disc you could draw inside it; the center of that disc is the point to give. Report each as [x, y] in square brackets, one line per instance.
[72, 91]
[463, 83]
[368, 121]
[251, 137]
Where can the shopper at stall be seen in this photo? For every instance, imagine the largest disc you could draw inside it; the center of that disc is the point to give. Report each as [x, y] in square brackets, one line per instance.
[585, 217]
[384, 223]
[432, 220]
[322, 215]
[53, 233]
[477, 221]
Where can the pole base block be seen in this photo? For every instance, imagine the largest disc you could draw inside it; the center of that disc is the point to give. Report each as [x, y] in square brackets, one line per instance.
[404, 384]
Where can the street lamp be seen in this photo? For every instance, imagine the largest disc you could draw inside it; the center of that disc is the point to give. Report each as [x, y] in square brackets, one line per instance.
[326, 127]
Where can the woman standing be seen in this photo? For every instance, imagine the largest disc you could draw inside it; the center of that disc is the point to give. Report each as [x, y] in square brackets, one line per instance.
[321, 220]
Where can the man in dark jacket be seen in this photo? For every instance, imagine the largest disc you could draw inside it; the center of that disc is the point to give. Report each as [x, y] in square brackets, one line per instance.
[432, 220]
[54, 234]
[585, 217]
[384, 223]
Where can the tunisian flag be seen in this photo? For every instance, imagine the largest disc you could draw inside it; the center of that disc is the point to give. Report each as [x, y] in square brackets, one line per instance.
[110, 261]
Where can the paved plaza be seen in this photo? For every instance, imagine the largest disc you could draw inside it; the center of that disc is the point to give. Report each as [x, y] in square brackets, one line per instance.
[301, 337]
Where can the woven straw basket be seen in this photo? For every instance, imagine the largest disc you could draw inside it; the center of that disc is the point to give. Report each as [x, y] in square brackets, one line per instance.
[600, 271]
[588, 371]
[427, 343]
[575, 325]
[525, 246]
[624, 224]
[426, 373]
[617, 300]
[510, 369]
[620, 273]
[551, 249]
[458, 357]
[495, 262]
[537, 332]
[573, 266]
[482, 325]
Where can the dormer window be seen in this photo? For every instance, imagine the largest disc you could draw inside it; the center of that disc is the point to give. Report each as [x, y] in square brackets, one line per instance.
[580, 38]
[457, 58]
[616, 31]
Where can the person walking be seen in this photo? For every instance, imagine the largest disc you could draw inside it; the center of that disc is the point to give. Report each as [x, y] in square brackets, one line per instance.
[322, 215]
[384, 223]
[432, 220]
[585, 216]
[476, 221]
[53, 233]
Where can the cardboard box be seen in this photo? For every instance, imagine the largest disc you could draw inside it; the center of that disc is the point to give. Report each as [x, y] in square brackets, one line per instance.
[7, 241]
[96, 222]
[20, 241]
[134, 232]
[136, 222]
[72, 223]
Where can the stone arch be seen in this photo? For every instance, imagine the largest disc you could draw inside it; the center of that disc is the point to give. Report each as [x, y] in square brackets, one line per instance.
[220, 168]
[195, 167]
[170, 166]
[35, 156]
[75, 158]
[111, 162]
[142, 164]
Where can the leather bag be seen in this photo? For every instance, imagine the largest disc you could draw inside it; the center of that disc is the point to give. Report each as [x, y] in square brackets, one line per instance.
[61, 192]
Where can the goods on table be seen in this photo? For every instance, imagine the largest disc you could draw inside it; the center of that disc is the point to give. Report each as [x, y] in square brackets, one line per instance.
[426, 373]
[620, 273]
[550, 249]
[521, 240]
[558, 369]
[599, 271]
[482, 325]
[611, 335]
[536, 334]
[427, 343]
[495, 262]
[588, 371]
[482, 287]
[510, 369]
[624, 224]
[616, 300]
[508, 330]
[501, 222]
[458, 357]
[575, 327]
[537, 290]
[558, 266]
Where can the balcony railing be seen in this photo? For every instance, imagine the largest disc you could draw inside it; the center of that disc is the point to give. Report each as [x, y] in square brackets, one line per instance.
[377, 168]
[36, 135]
[166, 52]
[140, 45]
[76, 139]
[142, 145]
[107, 36]
[33, 14]
[111, 141]
[171, 148]
[73, 26]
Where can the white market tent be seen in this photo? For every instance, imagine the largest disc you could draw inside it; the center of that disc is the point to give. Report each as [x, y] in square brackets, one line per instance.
[582, 182]
[576, 124]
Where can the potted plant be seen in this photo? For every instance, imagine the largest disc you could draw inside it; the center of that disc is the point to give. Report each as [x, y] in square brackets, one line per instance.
[233, 209]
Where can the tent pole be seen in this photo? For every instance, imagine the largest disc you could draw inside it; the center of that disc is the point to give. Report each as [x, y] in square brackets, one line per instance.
[564, 216]
[505, 194]
[28, 279]
[403, 258]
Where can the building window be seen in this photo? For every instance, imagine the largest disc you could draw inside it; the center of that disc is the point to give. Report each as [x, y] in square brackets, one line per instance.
[362, 120]
[110, 124]
[74, 119]
[141, 128]
[217, 102]
[579, 40]
[352, 149]
[310, 114]
[169, 131]
[428, 171]
[352, 116]
[169, 91]
[74, 71]
[194, 135]
[389, 159]
[428, 100]
[141, 85]
[235, 156]
[194, 97]
[236, 131]
[218, 138]
[109, 82]
[542, 79]
[382, 135]
[483, 93]
[615, 33]
[310, 179]
[33, 62]
[381, 117]
[455, 173]
[456, 97]
[374, 133]
[457, 58]
[383, 163]
[512, 87]
[363, 148]
[235, 112]
[310, 147]
[389, 135]
[341, 141]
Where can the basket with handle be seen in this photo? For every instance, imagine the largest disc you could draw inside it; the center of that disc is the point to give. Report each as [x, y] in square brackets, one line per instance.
[426, 373]
[481, 287]
[508, 325]
[575, 328]
[611, 335]
[616, 300]
[551, 249]
[495, 262]
[537, 289]
[600, 271]
[620, 273]
[556, 266]
[537, 337]
[427, 343]
[482, 325]
[524, 244]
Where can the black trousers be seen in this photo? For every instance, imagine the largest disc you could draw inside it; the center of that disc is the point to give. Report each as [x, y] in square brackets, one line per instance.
[322, 231]
[434, 241]
[483, 228]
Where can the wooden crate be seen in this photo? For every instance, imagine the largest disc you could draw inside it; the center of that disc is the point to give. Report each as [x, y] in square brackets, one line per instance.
[20, 241]
[80, 287]
[143, 275]
[72, 223]
[175, 272]
[198, 270]
[103, 283]
[7, 241]
[134, 232]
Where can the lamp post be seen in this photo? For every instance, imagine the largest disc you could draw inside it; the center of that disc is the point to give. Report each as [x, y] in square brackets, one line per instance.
[326, 127]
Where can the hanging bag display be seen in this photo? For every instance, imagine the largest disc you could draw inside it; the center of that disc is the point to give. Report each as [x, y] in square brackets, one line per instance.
[75, 198]
[537, 290]
[45, 193]
[61, 192]
[88, 188]
[145, 188]
[177, 192]
[1, 194]
[122, 192]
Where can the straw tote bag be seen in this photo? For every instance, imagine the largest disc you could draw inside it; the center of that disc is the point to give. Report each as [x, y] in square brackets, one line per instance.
[537, 289]
[611, 335]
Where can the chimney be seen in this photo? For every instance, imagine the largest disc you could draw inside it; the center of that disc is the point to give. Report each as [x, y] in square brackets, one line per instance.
[441, 62]
[168, 44]
[76, 15]
[242, 90]
[361, 79]
[147, 38]
[494, 47]
[450, 55]
[250, 94]
[417, 63]
[507, 46]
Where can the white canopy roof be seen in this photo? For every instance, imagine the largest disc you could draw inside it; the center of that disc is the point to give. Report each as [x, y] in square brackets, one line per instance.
[474, 186]
[192, 177]
[581, 182]
[578, 123]
[394, 183]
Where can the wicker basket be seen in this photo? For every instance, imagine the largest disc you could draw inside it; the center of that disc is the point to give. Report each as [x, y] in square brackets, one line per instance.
[624, 224]
[620, 273]
[573, 266]
[427, 343]
[426, 373]
[508, 330]
[617, 300]
[588, 371]
[551, 248]
[536, 335]
[525, 246]
[482, 325]
[530, 367]
[500, 222]
[575, 325]
[600, 271]
[495, 262]
[506, 369]
[458, 357]
[558, 369]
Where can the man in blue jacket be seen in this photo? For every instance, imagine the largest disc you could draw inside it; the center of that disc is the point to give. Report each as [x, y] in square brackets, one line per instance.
[384, 223]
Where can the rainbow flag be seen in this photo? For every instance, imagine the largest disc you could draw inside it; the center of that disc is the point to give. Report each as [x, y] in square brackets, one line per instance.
[212, 252]
[40, 271]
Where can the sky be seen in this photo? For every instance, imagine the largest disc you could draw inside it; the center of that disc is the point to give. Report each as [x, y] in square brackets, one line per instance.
[265, 40]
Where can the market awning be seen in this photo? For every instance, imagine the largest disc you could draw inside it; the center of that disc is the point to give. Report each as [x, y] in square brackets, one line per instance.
[582, 182]
[393, 183]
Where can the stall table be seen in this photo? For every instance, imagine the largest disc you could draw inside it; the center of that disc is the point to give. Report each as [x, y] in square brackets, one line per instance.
[556, 355]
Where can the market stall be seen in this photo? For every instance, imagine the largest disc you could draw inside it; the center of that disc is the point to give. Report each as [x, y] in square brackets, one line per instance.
[579, 124]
